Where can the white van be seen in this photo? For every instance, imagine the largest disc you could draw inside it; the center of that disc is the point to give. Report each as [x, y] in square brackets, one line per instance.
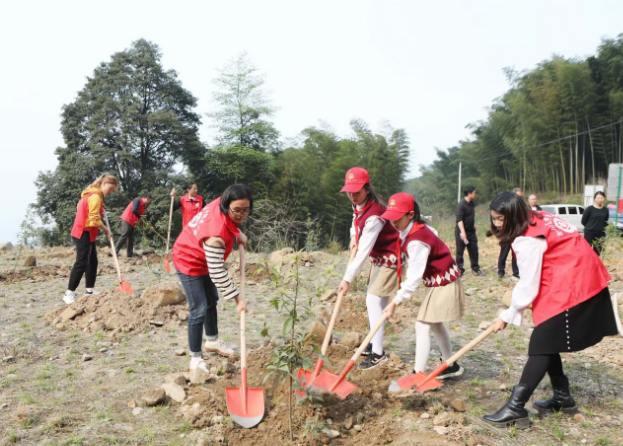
[571, 213]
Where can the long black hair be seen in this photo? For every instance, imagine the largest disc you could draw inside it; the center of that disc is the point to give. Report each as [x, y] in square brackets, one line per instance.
[233, 193]
[417, 215]
[373, 195]
[517, 217]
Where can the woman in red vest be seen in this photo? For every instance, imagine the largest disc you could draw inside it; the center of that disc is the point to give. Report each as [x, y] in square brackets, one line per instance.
[430, 262]
[199, 254]
[191, 203]
[87, 224]
[567, 285]
[132, 215]
[376, 239]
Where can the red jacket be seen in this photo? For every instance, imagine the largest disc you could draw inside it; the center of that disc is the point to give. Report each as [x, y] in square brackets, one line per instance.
[129, 216]
[188, 255]
[81, 218]
[190, 208]
[384, 250]
[571, 274]
[441, 269]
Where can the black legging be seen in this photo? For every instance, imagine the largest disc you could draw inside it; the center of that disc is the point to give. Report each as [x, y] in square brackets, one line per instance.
[595, 239]
[86, 262]
[537, 366]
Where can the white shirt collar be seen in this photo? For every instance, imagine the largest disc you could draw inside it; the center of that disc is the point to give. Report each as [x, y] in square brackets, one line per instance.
[360, 206]
[403, 234]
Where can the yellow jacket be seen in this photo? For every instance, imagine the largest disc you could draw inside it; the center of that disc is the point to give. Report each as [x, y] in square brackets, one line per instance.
[94, 219]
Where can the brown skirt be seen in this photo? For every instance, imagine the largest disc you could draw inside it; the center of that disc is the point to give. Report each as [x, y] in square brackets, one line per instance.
[443, 303]
[383, 281]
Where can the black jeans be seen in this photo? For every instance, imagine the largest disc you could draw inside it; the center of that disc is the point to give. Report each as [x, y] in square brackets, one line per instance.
[472, 249]
[504, 250]
[595, 239]
[202, 298]
[86, 262]
[127, 234]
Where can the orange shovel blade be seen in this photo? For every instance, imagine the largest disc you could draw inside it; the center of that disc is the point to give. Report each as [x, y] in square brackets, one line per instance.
[249, 414]
[405, 383]
[305, 378]
[125, 287]
[327, 379]
[430, 385]
[167, 265]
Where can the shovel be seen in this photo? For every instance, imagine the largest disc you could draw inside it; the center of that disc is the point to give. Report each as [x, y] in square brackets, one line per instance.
[305, 377]
[167, 266]
[339, 385]
[424, 382]
[246, 406]
[123, 285]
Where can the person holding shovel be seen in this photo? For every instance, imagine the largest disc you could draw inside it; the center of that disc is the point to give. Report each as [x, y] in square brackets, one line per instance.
[191, 203]
[375, 239]
[199, 254]
[132, 215]
[87, 224]
[567, 285]
[430, 262]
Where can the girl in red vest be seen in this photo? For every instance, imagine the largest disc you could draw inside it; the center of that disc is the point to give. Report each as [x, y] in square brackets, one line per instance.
[198, 255]
[377, 240]
[191, 203]
[567, 285]
[132, 215]
[430, 262]
[84, 233]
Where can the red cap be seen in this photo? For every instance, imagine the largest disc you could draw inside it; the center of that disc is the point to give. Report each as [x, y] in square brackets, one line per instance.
[399, 205]
[356, 178]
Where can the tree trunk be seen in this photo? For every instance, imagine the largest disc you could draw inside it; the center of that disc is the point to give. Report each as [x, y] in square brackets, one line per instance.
[590, 137]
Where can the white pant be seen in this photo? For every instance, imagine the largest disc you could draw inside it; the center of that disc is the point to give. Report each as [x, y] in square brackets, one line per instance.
[376, 305]
[422, 343]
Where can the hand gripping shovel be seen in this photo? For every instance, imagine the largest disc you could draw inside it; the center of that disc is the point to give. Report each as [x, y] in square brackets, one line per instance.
[167, 266]
[305, 377]
[246, 406]
[331, 382]
[424, 382]
[123, 285]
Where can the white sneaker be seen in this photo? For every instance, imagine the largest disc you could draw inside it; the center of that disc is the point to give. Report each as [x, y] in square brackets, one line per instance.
[69, 297]
[92, 292]
[198, 363]
[219, 347]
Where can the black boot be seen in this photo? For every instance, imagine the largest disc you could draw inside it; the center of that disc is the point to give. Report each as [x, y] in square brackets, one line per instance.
[513, 411]
[561, 401]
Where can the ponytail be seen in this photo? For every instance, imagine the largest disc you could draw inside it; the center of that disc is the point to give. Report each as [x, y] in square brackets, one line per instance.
[373, 195]
[104, 179]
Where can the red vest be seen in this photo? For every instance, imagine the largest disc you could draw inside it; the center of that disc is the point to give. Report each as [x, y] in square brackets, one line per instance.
[571, 274]
[383, 252]
[188, 255]
[190, 208]
[81, 218]
[129, 216]
[441, 269]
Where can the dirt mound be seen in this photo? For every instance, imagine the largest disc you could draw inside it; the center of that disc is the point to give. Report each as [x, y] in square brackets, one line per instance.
[115, 312]
[608, 351]
[40, 273]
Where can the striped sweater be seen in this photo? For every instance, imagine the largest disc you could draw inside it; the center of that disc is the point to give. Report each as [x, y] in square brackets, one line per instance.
[218, 274]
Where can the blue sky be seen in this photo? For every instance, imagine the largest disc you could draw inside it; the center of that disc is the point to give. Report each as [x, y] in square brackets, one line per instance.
[428, 67]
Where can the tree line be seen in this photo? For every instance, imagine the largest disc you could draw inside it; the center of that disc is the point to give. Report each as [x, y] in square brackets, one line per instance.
[135, 120]
[556, 129]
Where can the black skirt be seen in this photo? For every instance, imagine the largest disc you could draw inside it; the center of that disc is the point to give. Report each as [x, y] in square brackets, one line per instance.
[577, 328]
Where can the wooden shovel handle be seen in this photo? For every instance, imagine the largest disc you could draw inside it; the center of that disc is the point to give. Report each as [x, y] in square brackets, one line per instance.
[336, 310]
[243, 318]
[112, 247]
[169, 232]
[481, 337]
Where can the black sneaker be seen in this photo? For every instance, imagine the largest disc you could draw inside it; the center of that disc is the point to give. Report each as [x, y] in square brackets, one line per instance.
[500, 275]
[373, 360]
[452, 371]
[367, 351]
[479, 272]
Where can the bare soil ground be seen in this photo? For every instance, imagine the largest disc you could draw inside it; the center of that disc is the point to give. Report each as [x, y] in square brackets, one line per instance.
[51, 395]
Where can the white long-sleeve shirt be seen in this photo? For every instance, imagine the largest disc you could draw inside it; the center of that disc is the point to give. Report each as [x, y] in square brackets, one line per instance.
[529, 252]
[367, 239]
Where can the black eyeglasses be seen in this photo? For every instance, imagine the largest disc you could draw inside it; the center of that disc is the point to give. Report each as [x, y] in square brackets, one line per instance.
[240, 213]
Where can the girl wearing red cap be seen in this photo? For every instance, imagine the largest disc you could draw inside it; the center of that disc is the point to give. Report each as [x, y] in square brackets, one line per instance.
[375, 239]
[191, 203]
[87, 224]
[199, 254]
[567, 285]
[430, 262]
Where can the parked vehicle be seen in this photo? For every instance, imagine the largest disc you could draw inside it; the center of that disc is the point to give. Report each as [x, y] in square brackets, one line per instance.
[612, 219]
[571, 213]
